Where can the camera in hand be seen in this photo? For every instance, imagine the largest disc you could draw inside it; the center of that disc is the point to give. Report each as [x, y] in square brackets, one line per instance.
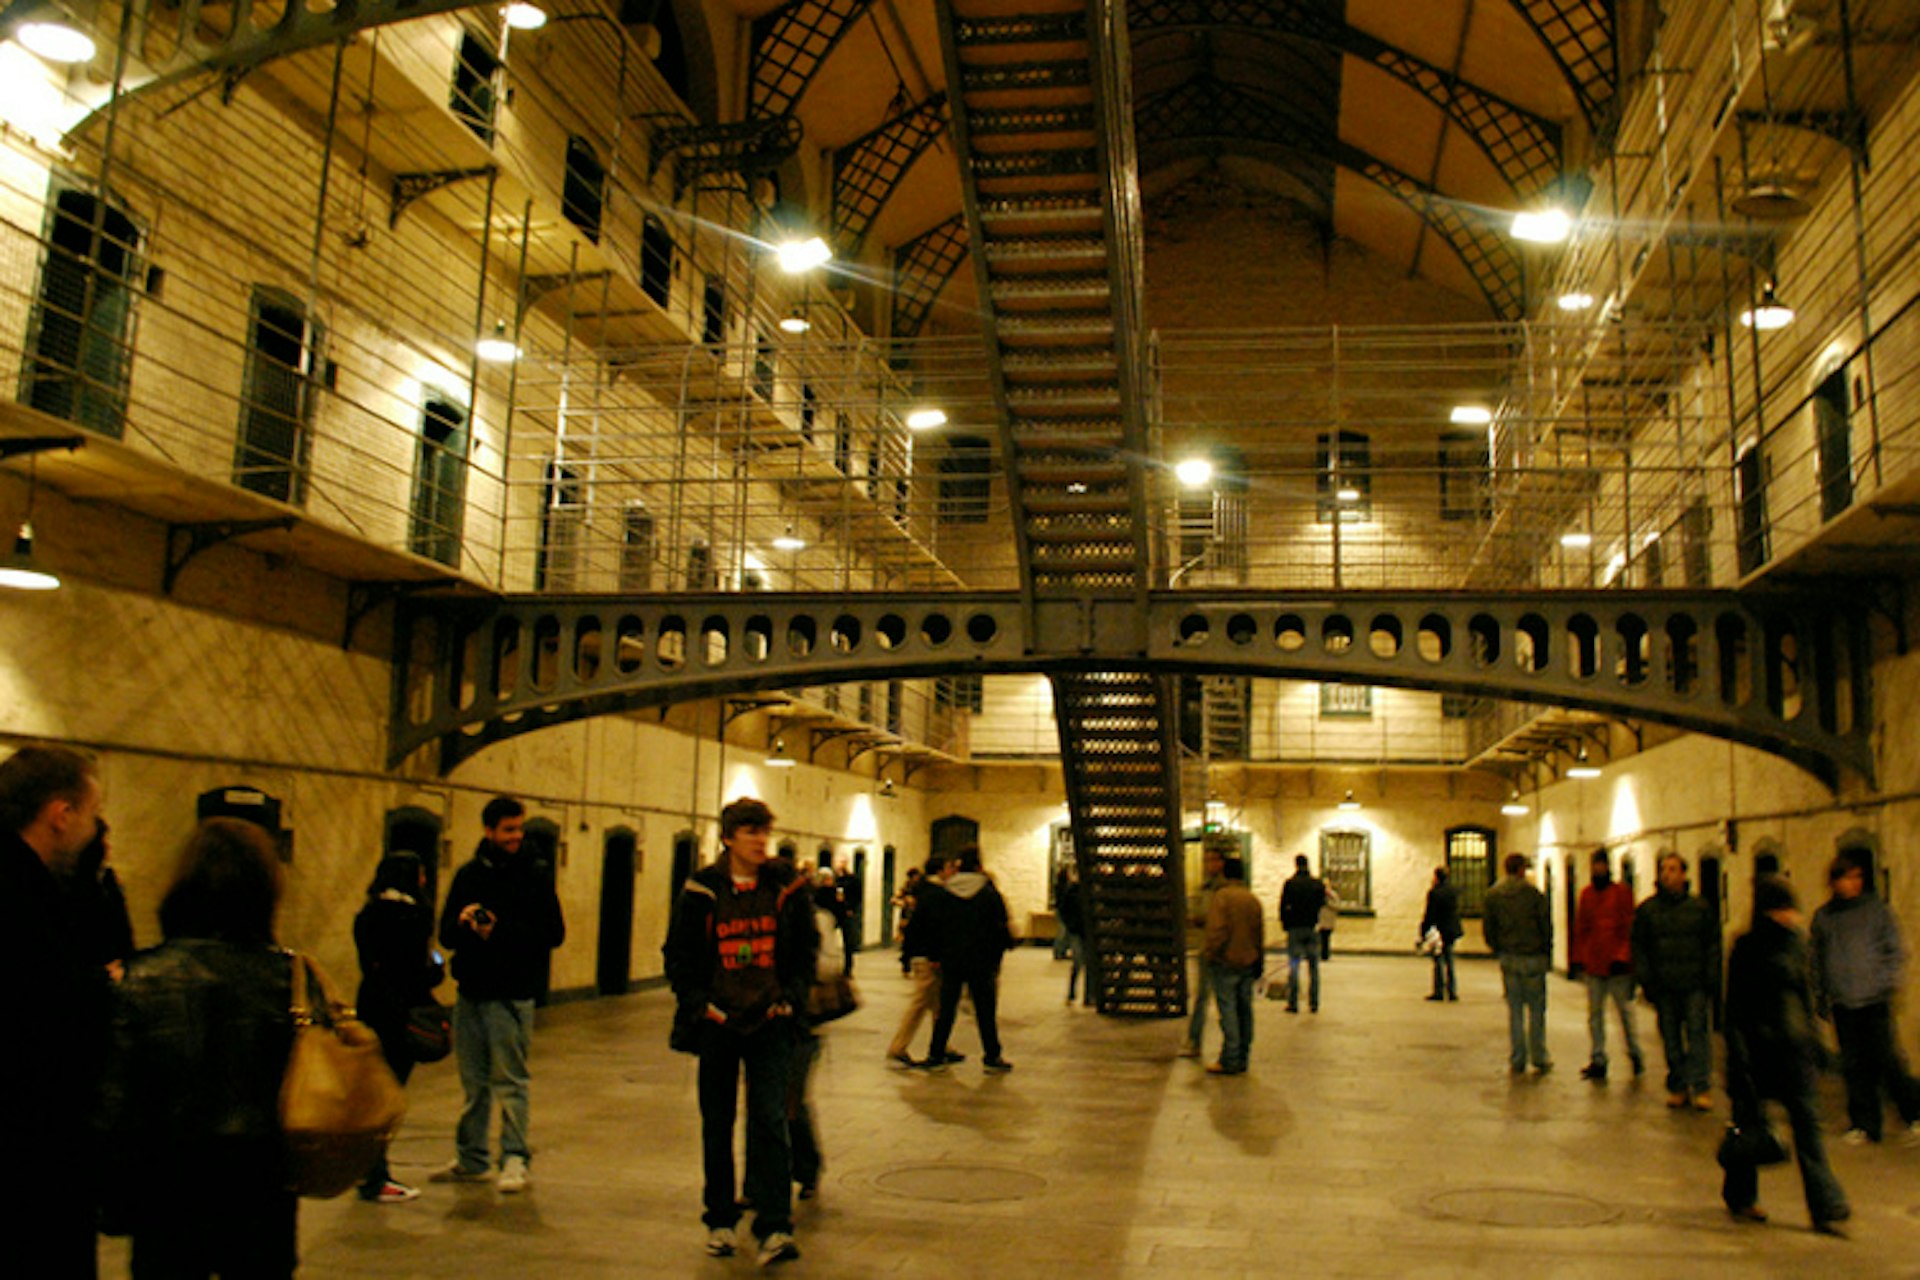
[482, 918]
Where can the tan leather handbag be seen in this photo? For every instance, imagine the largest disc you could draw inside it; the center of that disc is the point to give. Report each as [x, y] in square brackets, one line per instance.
[339, 1102]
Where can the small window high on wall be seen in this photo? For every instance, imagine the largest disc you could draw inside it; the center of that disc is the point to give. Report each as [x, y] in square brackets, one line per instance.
[476, 70]
[440, 480]
[713, 313]
[1750, 500]
[656, 261]
[1346, 864]
[279, 391]
[586, 187]
[81, 325]
[636, 548]
[1466, 476]
[1343, 477]
[1833, 430]
[563, 521]
[1470, 856]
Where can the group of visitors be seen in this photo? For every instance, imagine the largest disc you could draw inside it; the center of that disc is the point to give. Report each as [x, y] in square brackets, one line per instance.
[956, 934]
[150, 1104]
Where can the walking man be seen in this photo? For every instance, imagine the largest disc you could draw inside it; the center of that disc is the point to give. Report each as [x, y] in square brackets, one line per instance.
[1857, 959]
[916, 947]
[740, 957]
[1442, 919]
[1676, 960]
[1236, 943]
[500, 922]
[971, 934]
[1212, 860]
[1300, 901]
[1519, 928]
[1603, 953]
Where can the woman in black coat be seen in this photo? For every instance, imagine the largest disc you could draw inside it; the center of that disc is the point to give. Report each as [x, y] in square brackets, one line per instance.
[393, 933]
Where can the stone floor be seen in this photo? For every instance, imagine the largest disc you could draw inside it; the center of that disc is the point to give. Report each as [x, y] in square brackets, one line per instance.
[1381, 1137]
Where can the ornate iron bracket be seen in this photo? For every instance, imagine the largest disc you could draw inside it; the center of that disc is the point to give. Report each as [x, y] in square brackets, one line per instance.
[24, 446]
[408, 187]
[534, 288]
[744, 148]
[364, 597]
[185, 541]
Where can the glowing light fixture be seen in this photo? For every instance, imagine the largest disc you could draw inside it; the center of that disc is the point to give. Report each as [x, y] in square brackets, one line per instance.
[522, 16]
[1470, 415]
[926, 419]
[1193, 472]
[797, 322]
[1348, 494]
[56, 41]
[1574, 301]
[1349, 804]
[789, 541]
[19, 570]
[1542, 226]
[796, 256]
[1576, 540]
[1771, 314]
[778, 757]
[497, 347]
[886, 788]
[1515, 807]
[1582, 767]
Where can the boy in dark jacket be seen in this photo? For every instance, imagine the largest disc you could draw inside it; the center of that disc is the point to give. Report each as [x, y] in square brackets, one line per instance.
[740, 956]
[969, 932]
[500, 921]
[1676, 961]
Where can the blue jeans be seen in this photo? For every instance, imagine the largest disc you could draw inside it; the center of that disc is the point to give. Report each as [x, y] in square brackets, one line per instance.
[1443, 978]
[1077, 952]
[1197, 1024]
[768, 1058]
[491, 1039]
[1684, 1022]
[1303, 944]
[1617, 988]
[1233, 988]
[1524, 979]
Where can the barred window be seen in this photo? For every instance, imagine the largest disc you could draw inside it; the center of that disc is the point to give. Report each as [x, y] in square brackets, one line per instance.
[1353, 701]
[1470, 866]
[1346, 864]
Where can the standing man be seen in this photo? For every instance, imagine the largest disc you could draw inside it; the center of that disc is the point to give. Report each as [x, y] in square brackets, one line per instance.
[1300, 901]
[49, 810]
[1443, 919]
[1212, 860]
[1857, 959]
[1236, 943]
[740, 957]
[500, 922]
[1676, 960]
[1071, 912]
[917, 949]
[1519, 927]
[971, 934]
[1603, 953]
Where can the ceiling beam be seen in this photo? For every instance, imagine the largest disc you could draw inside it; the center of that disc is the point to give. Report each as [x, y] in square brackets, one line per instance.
[789, 46]
[868, 170]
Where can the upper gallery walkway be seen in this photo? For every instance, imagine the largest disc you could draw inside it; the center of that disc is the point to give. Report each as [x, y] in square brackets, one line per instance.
[1381, 1137]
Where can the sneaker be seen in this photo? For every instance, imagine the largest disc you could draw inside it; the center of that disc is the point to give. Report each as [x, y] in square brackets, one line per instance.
[997, 1066]
[951, 1057]
[777, 1247]
[1676, 1100]
[392, 1192]
[514, 1176]
[721, 1242]
[1189, 1049]
[808, 1190]
[1751, 1213]
[902, 1059]
[1543, 1067]
[1703, 1102]
[456, 1172]
[1856, 1137]
[931, 1063]
[1594, 1071]
[1436, 996]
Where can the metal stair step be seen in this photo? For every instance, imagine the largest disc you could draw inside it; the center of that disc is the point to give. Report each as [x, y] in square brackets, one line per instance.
[1041, 206]
[1065, 247]
[994, 122]
[1057, 285]
[998, 77]
[1021, 28]
[1040, 162]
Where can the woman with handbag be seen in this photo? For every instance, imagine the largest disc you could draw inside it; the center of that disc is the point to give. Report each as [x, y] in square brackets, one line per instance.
[195, 1162]
[398, 972]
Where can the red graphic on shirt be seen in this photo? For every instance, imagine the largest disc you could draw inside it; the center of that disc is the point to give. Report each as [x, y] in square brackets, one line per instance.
[747, 943]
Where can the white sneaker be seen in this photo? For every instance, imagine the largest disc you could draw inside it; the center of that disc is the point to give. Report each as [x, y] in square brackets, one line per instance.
[455, 1172]
[1855, 1137]
[514, 1176]
[1913, 1134]
[777, 1247]
[721, 1242]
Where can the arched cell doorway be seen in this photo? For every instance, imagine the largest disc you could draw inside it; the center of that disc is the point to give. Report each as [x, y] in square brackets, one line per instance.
[543, 845]
[619, 859]
[686, 859]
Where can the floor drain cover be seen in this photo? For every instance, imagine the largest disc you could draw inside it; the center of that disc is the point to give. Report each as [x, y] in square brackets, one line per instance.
[960, 1183]
[1519, 1207]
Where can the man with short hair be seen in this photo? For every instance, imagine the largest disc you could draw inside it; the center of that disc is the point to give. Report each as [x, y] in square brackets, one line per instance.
[970, 936]
[1442, 920]
[1857, 959]
[740, 957]
[916, 945]
[500, 921]
[1212, 859]
[1602, 953]
[1300, 901]
[1236, 943]
[1519, 929]
[1676, 961]
[50, 800]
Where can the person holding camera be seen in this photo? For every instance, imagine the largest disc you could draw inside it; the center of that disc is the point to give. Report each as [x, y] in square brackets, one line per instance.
[500, 921]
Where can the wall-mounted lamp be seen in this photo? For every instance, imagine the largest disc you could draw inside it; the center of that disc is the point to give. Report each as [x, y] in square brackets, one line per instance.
[19, 571]
[1515, 807]
[926, 418]
[1576, 540]
[1194, 473]
[795, 322]
[886, 788]
[1574, 301]
[54, 38]
[1542, 226]
[1349, 804]
[522, 16]
[790, 541]
[1770, 314]
[778, 757]
[1582, 767]
[497, 347]
[797, 256]
[1470, 415]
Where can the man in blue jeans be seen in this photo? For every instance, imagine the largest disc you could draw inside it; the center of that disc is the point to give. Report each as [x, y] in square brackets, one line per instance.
[500, 921]
[1300, 901]
[1232, 955]
[1676, 961]
[1519, 926]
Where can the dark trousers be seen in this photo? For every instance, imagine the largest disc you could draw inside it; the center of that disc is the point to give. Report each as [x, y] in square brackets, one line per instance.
[801, 1137]
[399, 1055]
[49, 1217]
[767, 1056]
[1826, 1202]
[1871, 1061]
[1444, 985]
[220, 1212]
[1684, 1018]
[981, 984]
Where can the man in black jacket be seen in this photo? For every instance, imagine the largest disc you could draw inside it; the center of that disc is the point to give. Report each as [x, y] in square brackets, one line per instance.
[1676, 960]
[970, 934]
[1442, 918]
[740, 957]
[500, 921]
[49, 810]
[1300, 901]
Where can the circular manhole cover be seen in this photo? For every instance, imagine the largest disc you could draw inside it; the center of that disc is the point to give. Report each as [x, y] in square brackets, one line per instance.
[960, 1183]
[1519, 1207]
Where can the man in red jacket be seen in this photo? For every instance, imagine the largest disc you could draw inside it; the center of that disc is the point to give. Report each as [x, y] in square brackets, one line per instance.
[1603, 952]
